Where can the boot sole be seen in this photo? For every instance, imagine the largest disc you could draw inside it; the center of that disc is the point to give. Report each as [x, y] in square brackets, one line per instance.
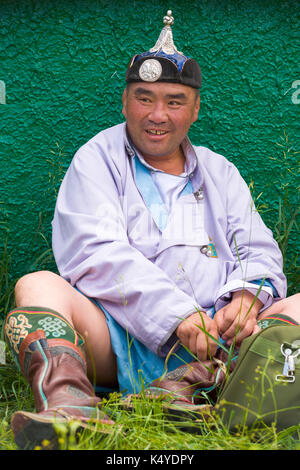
[33, 431]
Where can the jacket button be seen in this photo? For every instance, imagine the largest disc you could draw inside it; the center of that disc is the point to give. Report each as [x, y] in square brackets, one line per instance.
[199, 194]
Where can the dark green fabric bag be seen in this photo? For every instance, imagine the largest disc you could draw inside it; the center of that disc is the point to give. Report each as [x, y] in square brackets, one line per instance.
[264, 387]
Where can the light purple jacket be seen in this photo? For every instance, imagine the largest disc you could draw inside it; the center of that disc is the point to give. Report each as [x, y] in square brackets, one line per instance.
[109, 243]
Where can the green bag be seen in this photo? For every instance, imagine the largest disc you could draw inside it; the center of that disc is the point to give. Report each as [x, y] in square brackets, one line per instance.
[264, 387]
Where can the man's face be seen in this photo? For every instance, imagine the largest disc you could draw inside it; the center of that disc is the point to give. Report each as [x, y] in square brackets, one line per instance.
[159, 116]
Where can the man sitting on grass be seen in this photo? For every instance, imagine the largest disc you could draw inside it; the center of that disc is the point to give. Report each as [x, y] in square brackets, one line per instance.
[149, 231]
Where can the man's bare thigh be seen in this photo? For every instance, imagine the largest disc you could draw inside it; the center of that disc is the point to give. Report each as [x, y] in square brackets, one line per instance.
[49, 290]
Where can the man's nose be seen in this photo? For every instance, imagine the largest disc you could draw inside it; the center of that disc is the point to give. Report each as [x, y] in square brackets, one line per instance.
[158, 113]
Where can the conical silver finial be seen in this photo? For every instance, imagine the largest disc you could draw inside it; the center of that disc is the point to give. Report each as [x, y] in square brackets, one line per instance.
[165, 41]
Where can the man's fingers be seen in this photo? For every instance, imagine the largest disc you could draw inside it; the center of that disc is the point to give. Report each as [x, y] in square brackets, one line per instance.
[201, 347]
[232, 331]
[197, 333]
[224, 318]
[206, 345]
[246, 331]
[240, 321]
[242, 331]
[199, 343]
[192, 345]
[196, 342]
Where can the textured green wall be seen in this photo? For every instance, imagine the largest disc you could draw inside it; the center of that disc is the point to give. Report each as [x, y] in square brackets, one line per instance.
[63, 65]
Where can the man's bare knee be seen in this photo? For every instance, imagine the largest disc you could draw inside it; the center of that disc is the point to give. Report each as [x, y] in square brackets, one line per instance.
[289, 306]
[43, 289]
[32, 280]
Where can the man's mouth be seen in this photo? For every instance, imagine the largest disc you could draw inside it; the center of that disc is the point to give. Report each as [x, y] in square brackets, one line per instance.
[156, 132]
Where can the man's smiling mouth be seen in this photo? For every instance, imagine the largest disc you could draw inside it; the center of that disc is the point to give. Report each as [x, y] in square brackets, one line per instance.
[156, 132]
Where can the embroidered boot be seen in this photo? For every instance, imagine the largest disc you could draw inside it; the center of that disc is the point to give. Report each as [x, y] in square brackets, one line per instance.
[184, 391]
[50, 356]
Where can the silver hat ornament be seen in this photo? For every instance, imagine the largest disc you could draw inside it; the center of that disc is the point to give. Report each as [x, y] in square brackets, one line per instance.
[163, 62]
[165, 42]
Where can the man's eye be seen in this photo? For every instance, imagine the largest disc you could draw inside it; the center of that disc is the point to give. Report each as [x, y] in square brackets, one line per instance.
[174, 103]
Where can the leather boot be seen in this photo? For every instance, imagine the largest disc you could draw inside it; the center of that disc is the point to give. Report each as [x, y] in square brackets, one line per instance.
[56, 370]
[186, 389]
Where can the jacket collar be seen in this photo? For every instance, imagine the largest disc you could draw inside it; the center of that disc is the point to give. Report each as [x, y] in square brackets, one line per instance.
[192, 167]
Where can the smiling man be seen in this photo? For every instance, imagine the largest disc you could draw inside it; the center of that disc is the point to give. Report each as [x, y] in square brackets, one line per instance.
[158, 118]
[159, 249]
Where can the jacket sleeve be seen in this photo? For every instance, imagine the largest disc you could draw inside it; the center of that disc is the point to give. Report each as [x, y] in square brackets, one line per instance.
[92, 251]
[258, 260]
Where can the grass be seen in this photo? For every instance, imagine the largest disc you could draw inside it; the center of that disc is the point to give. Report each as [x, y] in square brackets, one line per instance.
[146, 427]
[143, 428]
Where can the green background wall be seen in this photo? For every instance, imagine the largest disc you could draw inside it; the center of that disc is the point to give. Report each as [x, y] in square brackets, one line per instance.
[63, 65]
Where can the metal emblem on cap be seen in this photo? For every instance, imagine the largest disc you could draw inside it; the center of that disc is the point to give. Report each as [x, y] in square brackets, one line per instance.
[150, 70]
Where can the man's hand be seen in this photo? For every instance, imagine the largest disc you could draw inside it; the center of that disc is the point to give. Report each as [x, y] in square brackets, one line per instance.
[235, 319]
[196, 340]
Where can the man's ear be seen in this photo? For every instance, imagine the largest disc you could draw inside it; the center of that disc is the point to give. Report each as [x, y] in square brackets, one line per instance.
[124, 101]
[197, 108]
